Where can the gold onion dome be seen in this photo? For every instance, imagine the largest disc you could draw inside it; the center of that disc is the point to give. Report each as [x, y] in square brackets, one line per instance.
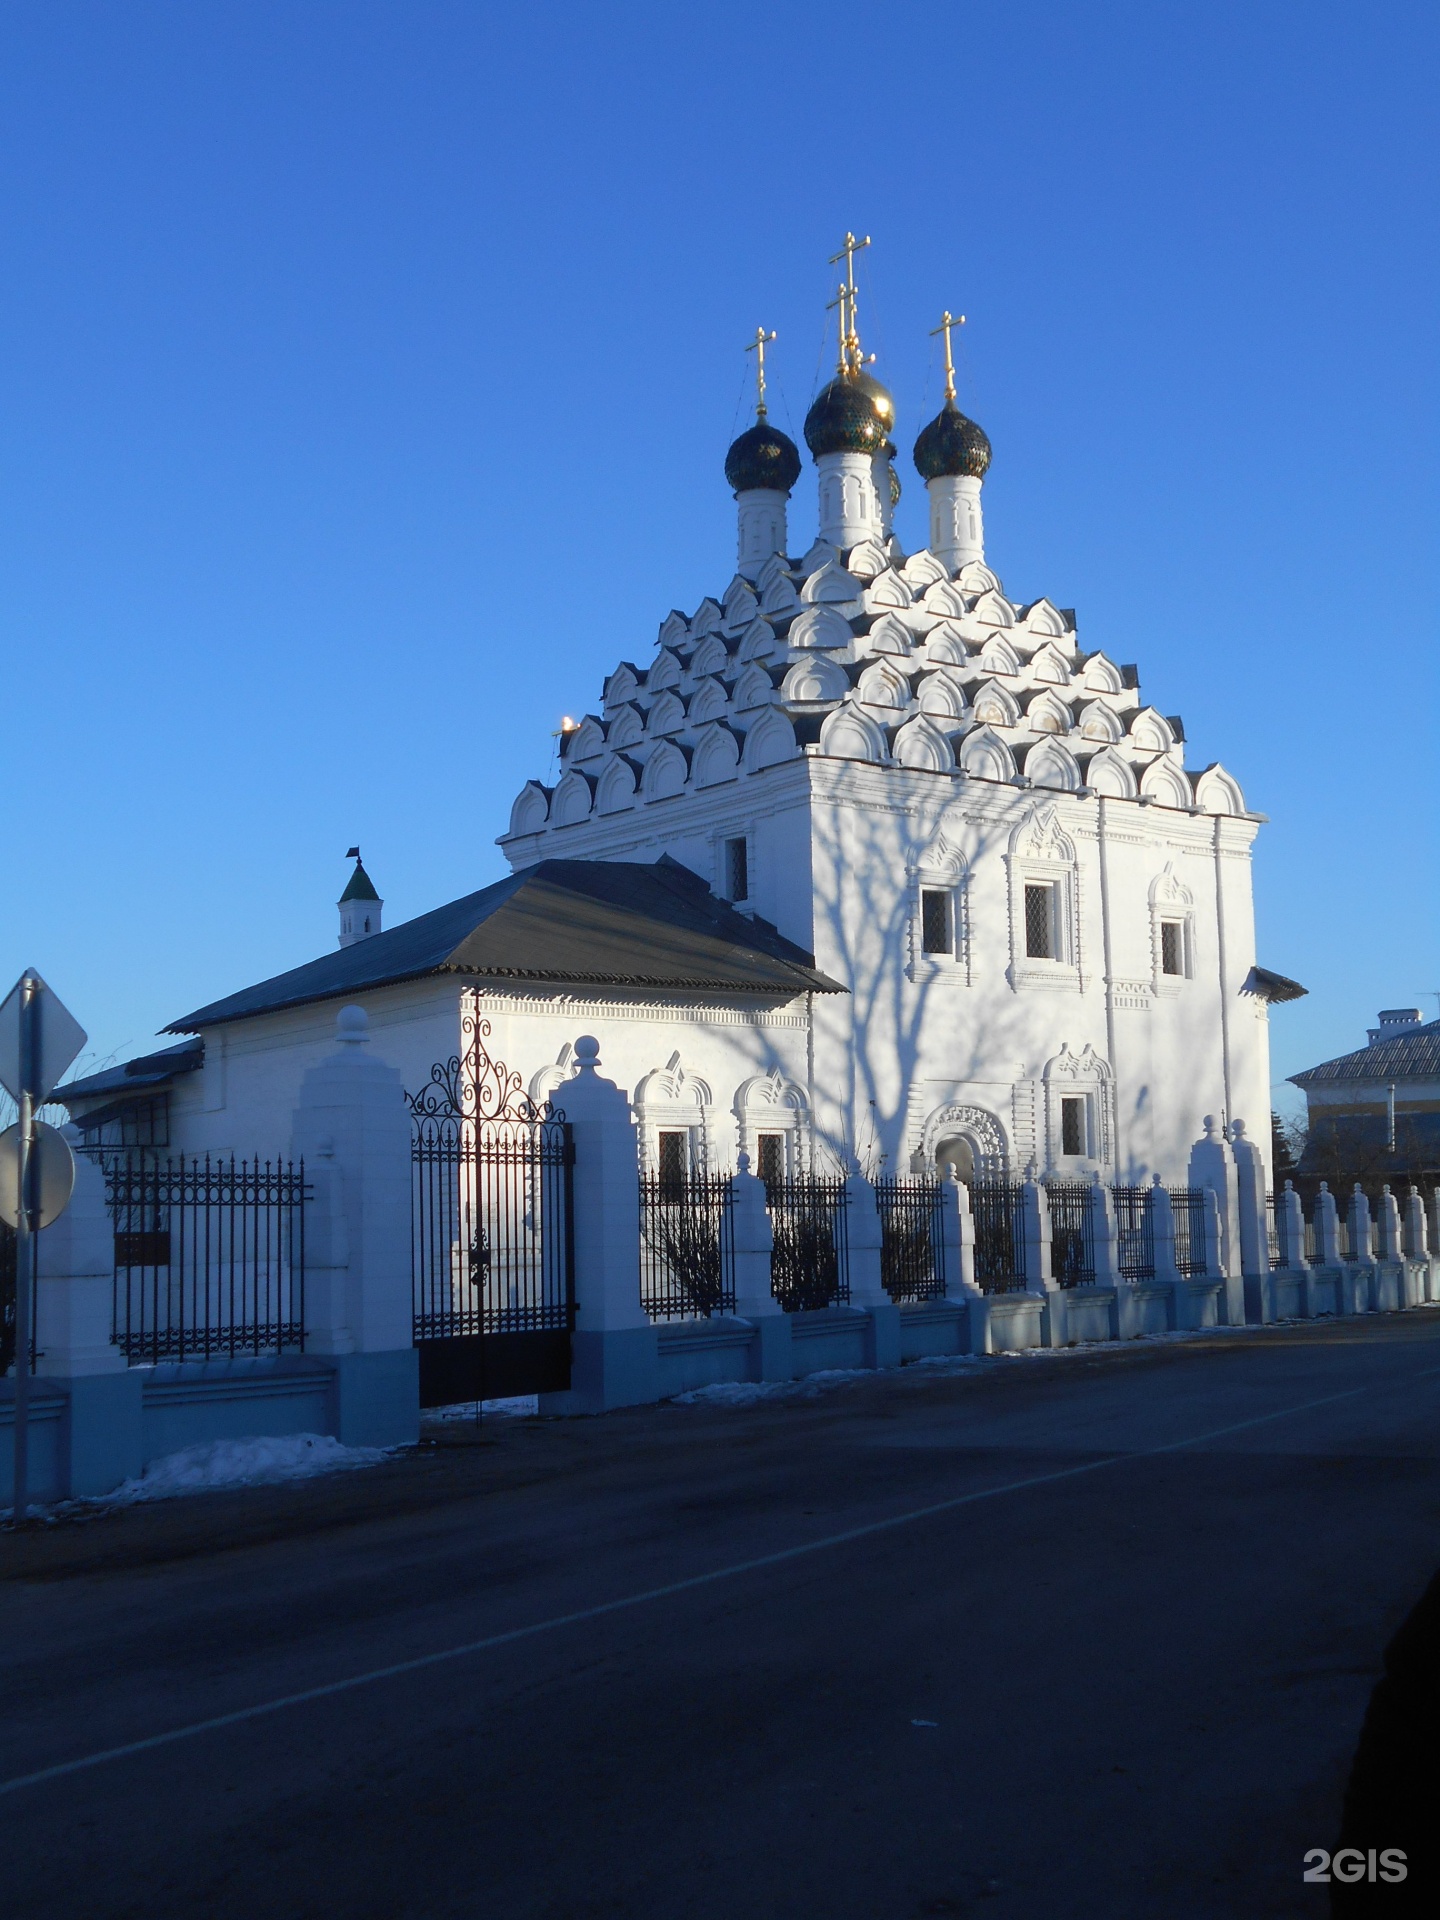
[844, 419]
[763, 457]
[951, 446]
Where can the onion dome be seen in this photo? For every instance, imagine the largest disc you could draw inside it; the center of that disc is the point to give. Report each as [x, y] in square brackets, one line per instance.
[843, 419]
[881, 398]
[763, 457]
[894, 489]
[952, 445]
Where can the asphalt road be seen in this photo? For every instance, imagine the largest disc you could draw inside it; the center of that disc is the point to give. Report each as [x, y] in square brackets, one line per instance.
[1070, 1635]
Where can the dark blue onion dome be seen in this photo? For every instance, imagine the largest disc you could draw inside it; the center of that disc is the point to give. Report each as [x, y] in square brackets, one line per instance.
[952, 446]
[843, 419]
[763, 457]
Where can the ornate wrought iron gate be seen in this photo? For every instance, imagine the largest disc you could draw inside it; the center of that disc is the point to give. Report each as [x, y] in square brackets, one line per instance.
[492, 1256]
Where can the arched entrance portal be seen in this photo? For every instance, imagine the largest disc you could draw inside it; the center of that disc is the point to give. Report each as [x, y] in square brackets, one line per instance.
[956, 1155]
[969, 1139]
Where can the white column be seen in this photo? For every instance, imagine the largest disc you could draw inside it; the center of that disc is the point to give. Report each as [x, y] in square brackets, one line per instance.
[1417, 1240]
[1327, 1229]
[1392, 1245]
[753, 1241]
[867, 1287]
[1254, 1234]
[849, 510]
[761, 515]
[957, 526]
[615, 1350]
[1212, 1166]
[880, 481]
[1039, 1279]
[352, 1125]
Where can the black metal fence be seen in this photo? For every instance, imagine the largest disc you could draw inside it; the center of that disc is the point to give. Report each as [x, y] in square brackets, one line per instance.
[687, 1240]
[912, 1238]
[209, 1255]
[998, 1210]
[1188, 1207]
[490, 1239]
[1072, 1233]
[810, 1264]
[1135, 1231]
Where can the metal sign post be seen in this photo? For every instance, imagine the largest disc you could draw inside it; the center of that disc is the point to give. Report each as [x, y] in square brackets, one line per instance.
[38, 1040]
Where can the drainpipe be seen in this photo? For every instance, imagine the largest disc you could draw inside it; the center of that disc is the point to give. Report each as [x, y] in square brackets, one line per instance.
[1390, 1118]
[1224, 981]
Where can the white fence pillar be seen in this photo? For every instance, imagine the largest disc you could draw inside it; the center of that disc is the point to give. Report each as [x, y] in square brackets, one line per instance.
[1392, 1240]
[352, 1125]
[1326, 1223]
[772, 1354]
[867, 1287]
[1359, 1269]
[74, 1305]
[615, 1349]
[1035, 1256]
[1212, 1166]
[1417, 1240]
[1290, 1230]
[1254, 1234]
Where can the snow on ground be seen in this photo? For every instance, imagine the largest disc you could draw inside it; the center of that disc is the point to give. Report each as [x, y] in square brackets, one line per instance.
[261, 1461]
[516, 1407]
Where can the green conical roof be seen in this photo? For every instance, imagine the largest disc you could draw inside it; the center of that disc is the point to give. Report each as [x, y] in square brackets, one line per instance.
[361, 887]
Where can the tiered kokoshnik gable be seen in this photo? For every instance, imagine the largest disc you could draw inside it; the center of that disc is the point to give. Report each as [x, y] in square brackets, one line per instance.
[861, 652]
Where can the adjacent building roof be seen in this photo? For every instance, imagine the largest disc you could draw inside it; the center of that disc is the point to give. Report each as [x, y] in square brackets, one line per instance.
[1414, 1055]
[150, 1070]
[573, 922]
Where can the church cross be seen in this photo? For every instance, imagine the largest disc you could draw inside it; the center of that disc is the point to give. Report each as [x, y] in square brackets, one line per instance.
[851, 357]
[757, 346]
[947, 321]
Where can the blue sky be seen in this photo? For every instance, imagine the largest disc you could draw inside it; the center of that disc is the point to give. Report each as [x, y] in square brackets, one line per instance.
[366, 374]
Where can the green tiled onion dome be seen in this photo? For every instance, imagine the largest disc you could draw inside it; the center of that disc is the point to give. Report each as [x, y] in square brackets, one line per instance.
[763, 457]
[843, 419]
[952, 445]
[894, 488]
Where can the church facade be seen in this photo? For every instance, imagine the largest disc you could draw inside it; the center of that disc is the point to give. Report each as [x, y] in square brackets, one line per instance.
[938, 886]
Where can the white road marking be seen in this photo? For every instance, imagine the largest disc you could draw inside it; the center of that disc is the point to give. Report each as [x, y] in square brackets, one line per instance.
[781, 1557]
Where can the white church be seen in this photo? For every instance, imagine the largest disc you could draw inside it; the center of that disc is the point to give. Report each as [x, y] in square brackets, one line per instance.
[861, 861]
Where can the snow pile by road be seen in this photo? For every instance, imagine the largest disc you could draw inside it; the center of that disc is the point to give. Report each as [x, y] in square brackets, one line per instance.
[261, 1461]
[745, 1393]
[518, 1406]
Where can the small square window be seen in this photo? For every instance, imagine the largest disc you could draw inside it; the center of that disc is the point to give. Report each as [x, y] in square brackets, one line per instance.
[1171, 947]
[1040, 922]
[1072, 1123]
[935, 936]
[737, 869]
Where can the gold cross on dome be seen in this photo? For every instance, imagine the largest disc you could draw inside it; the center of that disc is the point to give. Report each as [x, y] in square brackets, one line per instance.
[947, 321]
[851, 358]
[757, 346]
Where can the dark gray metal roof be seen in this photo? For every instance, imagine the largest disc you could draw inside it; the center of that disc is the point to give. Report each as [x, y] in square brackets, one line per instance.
[574, 922]
[1274, 987]
[1410, 1056]
[150, 1070]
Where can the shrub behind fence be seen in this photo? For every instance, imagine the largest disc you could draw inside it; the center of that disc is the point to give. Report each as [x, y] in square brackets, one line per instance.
[686, 1246]
[997, 1207]
[809, 1266]
[912, 1238]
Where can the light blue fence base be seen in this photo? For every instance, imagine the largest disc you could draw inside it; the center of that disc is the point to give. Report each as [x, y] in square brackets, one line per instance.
[90, 1434]
[375, 1398]
[929, 1328]
[607, 1370]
